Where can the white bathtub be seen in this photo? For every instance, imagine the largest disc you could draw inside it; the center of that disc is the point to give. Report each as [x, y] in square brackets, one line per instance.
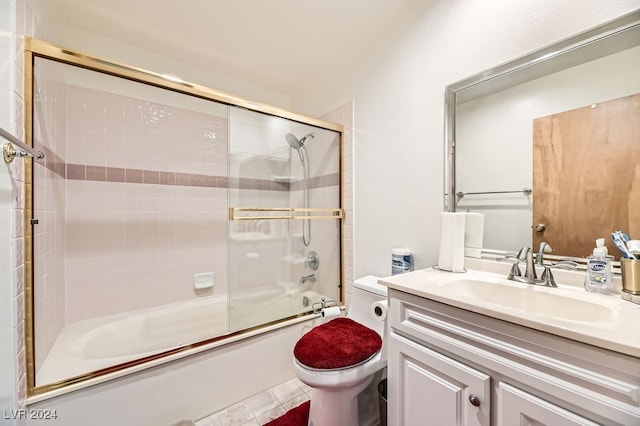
[94, 344]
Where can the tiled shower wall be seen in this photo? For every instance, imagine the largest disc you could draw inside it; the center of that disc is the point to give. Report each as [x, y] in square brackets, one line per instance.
[145, 190]
[147, 203]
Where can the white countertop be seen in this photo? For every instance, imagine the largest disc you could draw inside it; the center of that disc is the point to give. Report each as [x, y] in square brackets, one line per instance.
[569, 311]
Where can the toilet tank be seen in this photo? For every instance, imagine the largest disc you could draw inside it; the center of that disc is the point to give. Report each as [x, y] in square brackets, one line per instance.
[367, 291]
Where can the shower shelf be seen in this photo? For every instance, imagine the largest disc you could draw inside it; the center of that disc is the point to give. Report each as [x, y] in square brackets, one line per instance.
[251, 236]
[286, 179]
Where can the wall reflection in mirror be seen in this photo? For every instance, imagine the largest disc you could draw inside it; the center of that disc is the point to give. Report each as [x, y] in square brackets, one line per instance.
[490, 118]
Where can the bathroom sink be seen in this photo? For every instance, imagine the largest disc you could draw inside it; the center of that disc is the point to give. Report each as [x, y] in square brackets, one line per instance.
[530, 300]
[568, 311]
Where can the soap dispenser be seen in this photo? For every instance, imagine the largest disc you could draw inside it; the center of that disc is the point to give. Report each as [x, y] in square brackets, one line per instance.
[599, 278]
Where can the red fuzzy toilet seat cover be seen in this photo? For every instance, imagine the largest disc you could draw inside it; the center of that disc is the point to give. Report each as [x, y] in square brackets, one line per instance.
[340, 343]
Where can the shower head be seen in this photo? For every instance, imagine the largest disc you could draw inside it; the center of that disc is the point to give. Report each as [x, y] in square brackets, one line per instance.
[296, 143]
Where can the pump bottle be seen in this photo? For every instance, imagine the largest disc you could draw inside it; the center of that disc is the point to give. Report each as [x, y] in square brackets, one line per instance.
[599, 278]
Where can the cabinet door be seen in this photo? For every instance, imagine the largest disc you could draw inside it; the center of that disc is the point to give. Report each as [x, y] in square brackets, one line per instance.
[428, 388]
[516, 407]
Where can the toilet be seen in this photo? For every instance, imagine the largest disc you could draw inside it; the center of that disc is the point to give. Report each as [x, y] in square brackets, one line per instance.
[339, 358]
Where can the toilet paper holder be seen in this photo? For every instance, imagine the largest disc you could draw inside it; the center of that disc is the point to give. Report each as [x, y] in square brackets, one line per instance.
[324, 303]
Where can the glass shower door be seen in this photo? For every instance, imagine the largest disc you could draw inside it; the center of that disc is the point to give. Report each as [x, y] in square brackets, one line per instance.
[284, 198]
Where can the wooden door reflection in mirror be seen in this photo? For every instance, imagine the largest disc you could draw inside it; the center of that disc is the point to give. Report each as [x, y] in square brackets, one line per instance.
[586, 179]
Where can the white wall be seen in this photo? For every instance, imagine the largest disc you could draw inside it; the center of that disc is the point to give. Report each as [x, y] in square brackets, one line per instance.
[398, 91]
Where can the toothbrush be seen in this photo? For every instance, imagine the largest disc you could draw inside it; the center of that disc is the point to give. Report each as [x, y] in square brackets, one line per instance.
[634, 247]
[618, 240]
[634, 253]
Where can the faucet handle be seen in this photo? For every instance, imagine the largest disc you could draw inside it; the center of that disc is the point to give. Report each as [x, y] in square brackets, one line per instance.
[515, 269]
[547, 276]
[522, 253]
[568, 265]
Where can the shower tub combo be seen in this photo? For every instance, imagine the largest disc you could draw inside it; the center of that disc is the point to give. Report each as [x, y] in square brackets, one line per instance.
[149, 188]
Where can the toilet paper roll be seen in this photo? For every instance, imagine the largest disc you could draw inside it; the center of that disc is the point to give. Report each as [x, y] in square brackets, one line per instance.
[379, 310]
[451, 256]
[331, 312]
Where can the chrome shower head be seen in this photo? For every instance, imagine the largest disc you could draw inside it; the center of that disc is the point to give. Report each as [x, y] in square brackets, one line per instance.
[296, 143]
[293, 141]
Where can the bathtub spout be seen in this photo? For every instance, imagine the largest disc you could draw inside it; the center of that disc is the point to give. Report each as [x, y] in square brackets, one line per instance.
[310, 278]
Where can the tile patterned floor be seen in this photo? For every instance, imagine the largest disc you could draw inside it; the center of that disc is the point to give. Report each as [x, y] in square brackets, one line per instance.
[261, 408]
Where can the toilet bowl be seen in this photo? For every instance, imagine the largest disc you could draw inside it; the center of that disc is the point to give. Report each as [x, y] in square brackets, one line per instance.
[339, 358]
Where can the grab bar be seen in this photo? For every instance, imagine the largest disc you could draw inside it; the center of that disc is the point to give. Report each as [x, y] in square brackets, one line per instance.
[294, 213]
[9, 152]
[524, 191]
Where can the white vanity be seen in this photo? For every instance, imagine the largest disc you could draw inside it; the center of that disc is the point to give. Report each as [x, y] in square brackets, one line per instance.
[476, 349]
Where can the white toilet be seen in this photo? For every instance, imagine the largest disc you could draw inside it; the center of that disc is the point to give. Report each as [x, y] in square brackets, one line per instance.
[337, 382]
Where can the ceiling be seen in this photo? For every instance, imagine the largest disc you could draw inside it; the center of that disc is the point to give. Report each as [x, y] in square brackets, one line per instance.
[276, 44]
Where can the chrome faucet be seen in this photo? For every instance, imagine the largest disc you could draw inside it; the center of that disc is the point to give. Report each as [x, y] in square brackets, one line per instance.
[305, 278]
[530, 276]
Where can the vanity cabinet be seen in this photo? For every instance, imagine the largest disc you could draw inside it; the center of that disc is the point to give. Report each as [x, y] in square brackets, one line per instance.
[450, 366]
[435, 389]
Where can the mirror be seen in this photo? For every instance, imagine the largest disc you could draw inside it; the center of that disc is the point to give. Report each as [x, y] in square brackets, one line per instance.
[489, 126]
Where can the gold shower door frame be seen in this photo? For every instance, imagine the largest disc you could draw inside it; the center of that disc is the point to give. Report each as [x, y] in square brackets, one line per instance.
[37, 48]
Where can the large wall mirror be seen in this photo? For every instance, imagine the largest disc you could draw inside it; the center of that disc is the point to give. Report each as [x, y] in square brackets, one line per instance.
[548, 146]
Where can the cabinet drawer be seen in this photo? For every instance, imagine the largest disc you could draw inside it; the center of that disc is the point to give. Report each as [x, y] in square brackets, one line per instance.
[516, 407]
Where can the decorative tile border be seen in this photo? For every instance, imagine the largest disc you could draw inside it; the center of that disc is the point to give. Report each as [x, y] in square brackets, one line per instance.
[154, 177]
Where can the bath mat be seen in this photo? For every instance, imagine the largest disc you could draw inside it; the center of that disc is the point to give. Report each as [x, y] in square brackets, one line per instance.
[298, 416]
[340, 343]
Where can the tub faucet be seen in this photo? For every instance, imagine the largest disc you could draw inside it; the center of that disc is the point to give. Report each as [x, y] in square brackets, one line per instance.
[305, 278]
